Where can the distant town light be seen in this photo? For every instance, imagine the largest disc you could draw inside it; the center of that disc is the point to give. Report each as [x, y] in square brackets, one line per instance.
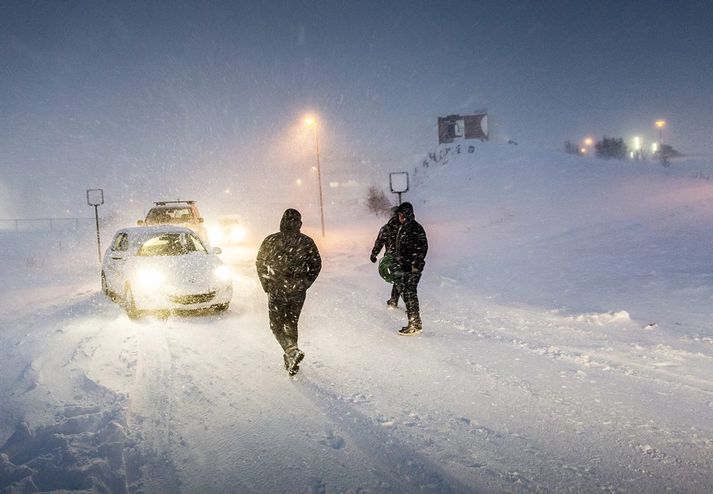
[588, 141]
[654, 147]
[637, 143]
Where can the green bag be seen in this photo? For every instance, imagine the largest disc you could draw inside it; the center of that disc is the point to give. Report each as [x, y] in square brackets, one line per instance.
[387, 268]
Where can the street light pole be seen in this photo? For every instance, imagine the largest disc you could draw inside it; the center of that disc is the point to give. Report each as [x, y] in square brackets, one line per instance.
[660, 124]
[314, 122]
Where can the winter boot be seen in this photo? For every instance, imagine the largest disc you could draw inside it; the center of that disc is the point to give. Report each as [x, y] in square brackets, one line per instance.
[414, 327]
[293, 357]
[410, 330]
[392, 303]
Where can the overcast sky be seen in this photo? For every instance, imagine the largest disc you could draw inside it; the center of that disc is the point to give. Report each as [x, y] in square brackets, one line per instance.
[99, 92]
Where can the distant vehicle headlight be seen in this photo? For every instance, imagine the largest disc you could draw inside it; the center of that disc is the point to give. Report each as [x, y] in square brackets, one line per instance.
[149, 277]
[237, 233]
[215, 233]
[223, 272]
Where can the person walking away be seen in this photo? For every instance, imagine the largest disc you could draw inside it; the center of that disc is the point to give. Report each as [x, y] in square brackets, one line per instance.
[386, 239]
[411, 249]
[287, 264]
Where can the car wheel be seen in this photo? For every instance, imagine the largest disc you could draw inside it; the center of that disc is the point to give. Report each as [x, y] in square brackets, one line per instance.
[105, 289]
[130, 304]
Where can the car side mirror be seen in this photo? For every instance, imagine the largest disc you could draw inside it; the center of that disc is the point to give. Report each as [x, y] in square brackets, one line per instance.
[139, 222]
[217, 251]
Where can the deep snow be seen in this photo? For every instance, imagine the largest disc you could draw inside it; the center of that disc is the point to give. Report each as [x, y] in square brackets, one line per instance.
[567, 347]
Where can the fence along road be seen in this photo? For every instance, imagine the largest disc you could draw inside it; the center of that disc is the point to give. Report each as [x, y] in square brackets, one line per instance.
[45, 224]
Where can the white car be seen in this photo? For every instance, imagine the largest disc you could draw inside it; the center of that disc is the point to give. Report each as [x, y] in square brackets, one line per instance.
[164, 267]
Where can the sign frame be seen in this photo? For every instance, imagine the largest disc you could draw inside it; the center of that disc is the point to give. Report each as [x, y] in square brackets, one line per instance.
[95, 197]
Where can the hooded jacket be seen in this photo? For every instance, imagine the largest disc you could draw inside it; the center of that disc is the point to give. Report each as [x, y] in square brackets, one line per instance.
[288, 261]
[411, 242]
[387, 235]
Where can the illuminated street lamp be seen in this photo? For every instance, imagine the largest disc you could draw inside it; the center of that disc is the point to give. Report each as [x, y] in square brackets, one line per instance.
[660, 124]
[313, 122]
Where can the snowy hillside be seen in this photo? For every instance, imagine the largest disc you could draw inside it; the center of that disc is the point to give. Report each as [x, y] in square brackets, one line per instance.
[567, 347]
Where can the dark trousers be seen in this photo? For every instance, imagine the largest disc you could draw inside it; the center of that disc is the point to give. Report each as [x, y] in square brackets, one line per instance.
[395, 293]
[284, 312]
[408, 286]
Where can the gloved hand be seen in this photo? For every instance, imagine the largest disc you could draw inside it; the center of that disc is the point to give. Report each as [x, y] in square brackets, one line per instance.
[372, 258]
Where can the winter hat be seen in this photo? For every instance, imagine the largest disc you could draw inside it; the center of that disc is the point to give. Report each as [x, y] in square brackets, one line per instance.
[407, 210]
[291, 221]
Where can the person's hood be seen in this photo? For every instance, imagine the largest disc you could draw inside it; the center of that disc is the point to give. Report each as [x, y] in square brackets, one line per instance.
[394, 216]
[407, 210]
[291, 221]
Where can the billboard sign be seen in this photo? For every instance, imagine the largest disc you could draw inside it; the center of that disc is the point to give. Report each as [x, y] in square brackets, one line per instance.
[462, 126]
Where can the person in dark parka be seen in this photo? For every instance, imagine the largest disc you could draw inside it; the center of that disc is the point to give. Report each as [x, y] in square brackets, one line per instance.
[386, 239]
[287, 264]
[411, 249]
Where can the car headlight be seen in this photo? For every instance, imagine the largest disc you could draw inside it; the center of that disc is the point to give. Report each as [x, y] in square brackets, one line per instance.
[148, 277]
[223, 272]
[215, 233]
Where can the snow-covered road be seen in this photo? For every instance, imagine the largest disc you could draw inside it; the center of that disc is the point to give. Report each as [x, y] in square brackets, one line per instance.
[489, 398]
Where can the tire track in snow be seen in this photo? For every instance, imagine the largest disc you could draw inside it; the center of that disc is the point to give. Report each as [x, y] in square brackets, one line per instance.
[151, 410]
[403, 469]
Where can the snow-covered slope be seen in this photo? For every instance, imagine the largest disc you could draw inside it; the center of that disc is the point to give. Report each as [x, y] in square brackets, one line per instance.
[567, 347]
[575, 234]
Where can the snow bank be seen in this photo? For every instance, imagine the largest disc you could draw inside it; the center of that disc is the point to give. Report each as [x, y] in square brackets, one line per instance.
[602, 319]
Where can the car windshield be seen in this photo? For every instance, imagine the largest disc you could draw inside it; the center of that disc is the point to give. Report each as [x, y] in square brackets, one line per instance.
[171, 244]
[169, 215]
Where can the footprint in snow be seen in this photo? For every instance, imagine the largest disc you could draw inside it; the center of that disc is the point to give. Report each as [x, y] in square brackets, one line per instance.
[384, 422]
[317, 487]
[357, 398]
[463, 420]
[333, 441]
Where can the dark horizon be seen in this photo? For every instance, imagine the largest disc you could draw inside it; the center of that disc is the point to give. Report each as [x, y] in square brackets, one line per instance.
[105, 92]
